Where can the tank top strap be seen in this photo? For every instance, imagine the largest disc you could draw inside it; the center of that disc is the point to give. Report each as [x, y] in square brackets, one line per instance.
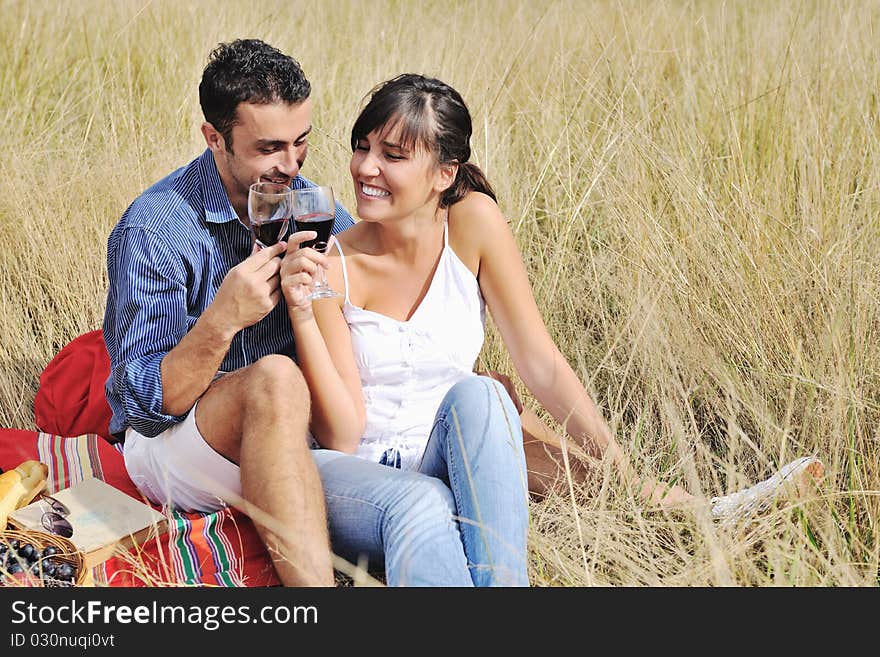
[344, 269]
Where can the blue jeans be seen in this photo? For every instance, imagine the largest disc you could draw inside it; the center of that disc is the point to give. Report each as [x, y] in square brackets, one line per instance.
[462, 520]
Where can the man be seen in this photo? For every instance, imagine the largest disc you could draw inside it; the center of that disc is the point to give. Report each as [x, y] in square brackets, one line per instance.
[189, 299]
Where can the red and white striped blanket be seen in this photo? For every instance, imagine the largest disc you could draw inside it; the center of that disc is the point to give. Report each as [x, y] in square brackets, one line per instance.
[199, 549]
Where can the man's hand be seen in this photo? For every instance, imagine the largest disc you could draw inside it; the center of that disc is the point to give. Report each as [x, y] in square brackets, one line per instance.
[298, 270]
[251, 289]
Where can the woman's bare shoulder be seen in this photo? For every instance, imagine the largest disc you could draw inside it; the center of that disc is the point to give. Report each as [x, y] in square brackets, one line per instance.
[475, 222]
[475, 204]
[476, 210]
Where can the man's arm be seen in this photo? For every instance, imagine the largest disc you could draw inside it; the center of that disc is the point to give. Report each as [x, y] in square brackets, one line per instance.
[249, 292]
[165, 359]
[146, 317]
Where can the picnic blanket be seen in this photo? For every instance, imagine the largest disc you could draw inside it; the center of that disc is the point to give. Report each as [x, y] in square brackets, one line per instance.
[219, 549]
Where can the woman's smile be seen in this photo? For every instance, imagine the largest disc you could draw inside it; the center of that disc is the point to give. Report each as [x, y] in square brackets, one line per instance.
[371, 191]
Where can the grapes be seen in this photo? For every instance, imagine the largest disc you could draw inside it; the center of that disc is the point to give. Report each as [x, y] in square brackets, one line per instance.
[64, 572]
[49, 568]
[28, 552]
[26, 561]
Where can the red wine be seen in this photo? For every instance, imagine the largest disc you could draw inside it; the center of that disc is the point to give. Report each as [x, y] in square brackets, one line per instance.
[269, 232]
[320, 222]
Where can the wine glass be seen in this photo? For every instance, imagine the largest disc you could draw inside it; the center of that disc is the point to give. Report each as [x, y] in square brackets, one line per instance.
[268, 211]
[314, 209]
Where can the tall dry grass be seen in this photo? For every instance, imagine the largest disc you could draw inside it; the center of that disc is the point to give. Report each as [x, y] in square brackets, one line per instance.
[694, 186]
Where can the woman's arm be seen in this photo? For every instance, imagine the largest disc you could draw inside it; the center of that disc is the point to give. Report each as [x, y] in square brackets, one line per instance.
[324, 354]
[543, 369]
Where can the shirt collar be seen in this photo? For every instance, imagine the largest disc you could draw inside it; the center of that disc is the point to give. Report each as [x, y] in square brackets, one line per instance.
[218, 209]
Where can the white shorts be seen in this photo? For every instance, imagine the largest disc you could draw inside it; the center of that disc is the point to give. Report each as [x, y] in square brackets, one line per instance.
[179, 467]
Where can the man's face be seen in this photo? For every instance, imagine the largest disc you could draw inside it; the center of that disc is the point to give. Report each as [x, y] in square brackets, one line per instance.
[269, 142]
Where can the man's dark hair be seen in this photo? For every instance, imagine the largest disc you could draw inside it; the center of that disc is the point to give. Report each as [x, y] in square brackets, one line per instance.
[248, 71]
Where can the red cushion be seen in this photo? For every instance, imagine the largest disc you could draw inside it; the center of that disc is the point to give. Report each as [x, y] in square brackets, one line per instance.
[70, 400]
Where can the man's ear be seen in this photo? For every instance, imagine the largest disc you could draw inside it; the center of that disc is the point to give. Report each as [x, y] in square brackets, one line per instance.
[213, 138]
[446, 176]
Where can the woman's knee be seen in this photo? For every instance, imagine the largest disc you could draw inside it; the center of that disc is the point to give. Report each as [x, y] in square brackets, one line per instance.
[483, 402]
[481, 390]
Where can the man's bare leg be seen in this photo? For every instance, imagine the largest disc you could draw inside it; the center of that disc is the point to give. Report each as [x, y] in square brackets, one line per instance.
[258, 417]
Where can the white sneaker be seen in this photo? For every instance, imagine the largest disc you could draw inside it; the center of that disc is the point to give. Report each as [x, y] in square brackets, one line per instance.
[796, 474]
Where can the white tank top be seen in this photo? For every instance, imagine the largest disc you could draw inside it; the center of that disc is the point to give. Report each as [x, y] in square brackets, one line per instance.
[407, 367]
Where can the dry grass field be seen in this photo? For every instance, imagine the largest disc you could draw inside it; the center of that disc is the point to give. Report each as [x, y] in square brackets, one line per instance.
[694, 185]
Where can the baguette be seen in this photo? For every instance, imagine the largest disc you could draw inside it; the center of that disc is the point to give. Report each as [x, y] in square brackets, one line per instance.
[20, 486]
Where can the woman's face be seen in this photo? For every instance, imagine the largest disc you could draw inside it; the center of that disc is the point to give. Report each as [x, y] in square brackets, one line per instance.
[392, 181]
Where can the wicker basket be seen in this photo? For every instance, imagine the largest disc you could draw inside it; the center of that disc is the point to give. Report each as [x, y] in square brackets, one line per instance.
[67, 552]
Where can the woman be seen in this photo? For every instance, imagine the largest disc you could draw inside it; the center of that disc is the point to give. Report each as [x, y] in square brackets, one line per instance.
[431, 251]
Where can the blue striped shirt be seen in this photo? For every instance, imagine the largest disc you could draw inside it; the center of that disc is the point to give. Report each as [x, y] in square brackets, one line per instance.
[166, 259]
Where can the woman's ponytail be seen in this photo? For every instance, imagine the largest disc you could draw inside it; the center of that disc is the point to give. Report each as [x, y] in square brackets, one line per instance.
[470, 178]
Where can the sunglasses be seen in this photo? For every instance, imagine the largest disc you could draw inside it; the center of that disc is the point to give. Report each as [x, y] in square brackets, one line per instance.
[54, 521]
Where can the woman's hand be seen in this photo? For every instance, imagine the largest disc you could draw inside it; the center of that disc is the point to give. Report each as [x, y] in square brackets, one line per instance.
[298, 270]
